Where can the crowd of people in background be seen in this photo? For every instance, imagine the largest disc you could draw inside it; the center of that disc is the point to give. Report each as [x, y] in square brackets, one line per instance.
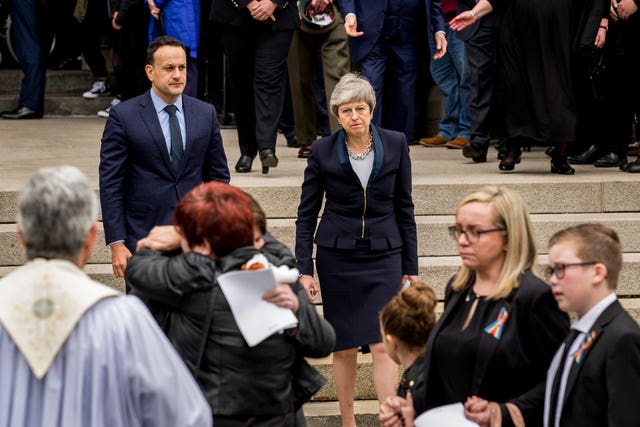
[559, 76]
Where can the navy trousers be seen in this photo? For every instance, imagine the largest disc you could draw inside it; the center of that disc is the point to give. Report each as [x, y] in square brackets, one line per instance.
[26, 34]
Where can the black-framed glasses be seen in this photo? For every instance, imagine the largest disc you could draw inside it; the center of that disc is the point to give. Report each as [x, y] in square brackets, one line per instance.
[472, 236]
[558, 269]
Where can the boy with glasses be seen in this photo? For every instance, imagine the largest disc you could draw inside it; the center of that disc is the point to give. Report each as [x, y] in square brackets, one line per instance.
[595, 374]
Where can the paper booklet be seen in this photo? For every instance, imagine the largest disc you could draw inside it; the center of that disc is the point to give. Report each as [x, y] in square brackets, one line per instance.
[256, 319]
[444, 416]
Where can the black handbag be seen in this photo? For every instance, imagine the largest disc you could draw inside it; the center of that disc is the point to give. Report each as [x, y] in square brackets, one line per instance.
[597, 72]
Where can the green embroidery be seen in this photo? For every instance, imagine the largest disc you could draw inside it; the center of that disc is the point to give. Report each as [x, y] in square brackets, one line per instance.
[43, 308]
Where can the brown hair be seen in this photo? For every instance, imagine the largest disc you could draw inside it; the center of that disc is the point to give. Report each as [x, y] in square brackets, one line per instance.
[410, 315]
[594, 242]
[258, 214]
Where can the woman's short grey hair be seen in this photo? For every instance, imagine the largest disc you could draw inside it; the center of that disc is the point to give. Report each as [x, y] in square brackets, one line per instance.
[352, 88]
[56, 210]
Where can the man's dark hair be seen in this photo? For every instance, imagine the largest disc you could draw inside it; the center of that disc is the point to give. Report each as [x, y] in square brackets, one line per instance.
[158, 43]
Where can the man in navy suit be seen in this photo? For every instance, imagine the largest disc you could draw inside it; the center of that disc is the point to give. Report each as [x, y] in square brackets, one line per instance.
[383, 41]
[594, 378]
[155, 148]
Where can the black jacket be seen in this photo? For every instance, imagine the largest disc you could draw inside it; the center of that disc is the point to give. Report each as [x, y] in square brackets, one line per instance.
[512, 368]
[235, 13]
[236, 379]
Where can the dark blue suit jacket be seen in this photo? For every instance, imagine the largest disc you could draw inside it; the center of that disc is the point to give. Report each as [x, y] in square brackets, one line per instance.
[138, 188]
[371, 17]
[383, 213]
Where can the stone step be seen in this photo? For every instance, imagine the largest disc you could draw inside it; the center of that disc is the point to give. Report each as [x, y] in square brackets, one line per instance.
[327, 414]
[364, 385]
[63, 104]
[435, 271]
[433, 236]
[58, 81]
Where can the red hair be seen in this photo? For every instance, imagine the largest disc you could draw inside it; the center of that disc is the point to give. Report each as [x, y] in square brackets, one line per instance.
[217, 213]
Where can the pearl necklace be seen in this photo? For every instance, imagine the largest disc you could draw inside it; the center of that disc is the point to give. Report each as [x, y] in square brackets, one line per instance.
[364, 154]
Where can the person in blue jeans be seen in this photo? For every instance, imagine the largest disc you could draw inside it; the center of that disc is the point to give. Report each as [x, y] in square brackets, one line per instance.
[451, 75]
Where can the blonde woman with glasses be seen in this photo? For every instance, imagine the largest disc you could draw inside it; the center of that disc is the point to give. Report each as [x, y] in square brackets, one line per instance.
[491, 347]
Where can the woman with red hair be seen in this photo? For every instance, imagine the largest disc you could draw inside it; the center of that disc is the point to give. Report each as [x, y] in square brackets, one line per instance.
[243, 385]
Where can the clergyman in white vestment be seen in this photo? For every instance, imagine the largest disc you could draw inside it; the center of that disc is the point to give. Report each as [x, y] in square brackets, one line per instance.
[72, 351]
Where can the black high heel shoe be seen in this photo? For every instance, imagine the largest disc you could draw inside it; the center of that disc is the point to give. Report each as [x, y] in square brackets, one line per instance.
[562, 168]
[268, 159]
[511, 158]
[244, 164]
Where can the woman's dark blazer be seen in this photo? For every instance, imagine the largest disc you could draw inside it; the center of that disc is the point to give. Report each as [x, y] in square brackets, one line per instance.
[513, 368]
[383, 213]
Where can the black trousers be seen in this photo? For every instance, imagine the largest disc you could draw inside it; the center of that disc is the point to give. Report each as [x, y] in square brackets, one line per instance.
[622, 96]
[481, 51]
[96, 25]
[257, 59]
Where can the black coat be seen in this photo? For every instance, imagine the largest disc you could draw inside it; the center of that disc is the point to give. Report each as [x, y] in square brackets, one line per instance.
[235, 13]
[603, 389]
[237, 380]
[512, 368]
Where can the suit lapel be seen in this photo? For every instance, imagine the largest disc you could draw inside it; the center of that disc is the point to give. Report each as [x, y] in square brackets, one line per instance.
[189, 129]
[596, 331]
[378, 154]
[489, 342]
[150, 119]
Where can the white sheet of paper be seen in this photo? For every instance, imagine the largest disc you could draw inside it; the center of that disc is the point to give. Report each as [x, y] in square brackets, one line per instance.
[444, 416]
[256, 319]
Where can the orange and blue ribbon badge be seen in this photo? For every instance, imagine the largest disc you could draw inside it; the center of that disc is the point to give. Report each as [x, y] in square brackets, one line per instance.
[495, 328]
[586, 343]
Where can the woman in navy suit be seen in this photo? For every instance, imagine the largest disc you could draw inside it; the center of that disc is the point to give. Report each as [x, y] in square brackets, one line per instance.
[500, 328]
[366, 240]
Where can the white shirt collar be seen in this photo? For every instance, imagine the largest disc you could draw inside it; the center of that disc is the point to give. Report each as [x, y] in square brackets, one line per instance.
[159, 103]
[585, 323]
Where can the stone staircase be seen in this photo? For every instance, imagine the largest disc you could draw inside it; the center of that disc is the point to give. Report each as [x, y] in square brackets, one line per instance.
[441, 178]
[63, 93]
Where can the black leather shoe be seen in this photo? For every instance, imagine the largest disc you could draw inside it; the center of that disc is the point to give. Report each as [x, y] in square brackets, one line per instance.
[511, 158]
[550, 150]
[244, 164]
[633, 167]
[609, 160]
[21, 113]
[475, 154]
[587, 157]
[562, 168]
[268, 159]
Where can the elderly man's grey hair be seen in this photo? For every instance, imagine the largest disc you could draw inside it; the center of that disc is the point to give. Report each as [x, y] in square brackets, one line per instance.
[352, 88]
[56, 210]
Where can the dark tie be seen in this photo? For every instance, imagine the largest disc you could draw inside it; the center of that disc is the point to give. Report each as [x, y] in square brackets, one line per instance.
[555, 387]
[177, 150]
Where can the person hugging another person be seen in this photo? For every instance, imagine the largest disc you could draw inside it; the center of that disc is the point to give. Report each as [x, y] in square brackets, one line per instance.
[244, 385]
